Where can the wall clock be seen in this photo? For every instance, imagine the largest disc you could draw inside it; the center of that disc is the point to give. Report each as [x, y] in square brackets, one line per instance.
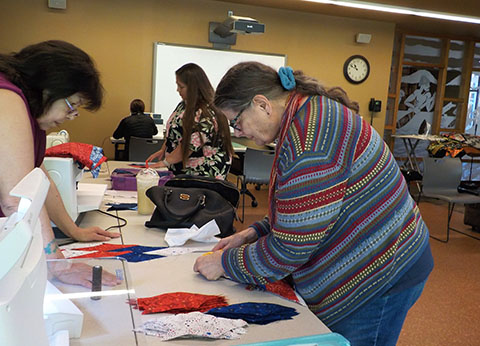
[356, 69]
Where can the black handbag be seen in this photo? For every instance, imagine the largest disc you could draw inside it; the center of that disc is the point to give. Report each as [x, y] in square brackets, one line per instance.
[191, 200]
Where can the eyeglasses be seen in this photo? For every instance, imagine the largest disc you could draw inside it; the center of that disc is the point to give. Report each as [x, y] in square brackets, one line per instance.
[234, 121]
[72, 111]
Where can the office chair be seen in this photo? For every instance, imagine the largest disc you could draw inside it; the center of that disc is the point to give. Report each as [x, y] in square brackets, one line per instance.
[257, 165]
[441, 178]
[139, 149]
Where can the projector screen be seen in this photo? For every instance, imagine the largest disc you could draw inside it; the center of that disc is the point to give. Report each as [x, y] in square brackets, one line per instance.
[168, 58]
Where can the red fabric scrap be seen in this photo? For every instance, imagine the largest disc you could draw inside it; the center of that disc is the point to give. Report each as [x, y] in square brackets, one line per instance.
[99, 254]
[179, 302]
[105, 247]
[81, 152]
[280, 288]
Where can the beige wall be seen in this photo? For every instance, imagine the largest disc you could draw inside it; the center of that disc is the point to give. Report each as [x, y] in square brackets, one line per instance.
[119, 35]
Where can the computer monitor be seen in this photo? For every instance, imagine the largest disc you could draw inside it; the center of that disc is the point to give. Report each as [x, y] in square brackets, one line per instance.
[157, 118]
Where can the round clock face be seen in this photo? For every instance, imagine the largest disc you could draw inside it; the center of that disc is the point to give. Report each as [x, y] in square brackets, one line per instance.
[356, 69]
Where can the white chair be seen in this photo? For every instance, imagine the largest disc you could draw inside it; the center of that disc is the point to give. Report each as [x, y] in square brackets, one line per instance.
[441, 178]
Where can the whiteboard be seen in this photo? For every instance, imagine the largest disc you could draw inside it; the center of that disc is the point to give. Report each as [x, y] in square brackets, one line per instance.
[168, 58]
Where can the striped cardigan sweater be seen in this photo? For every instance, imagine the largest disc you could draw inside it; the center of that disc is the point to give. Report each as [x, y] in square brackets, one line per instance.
[344, 225]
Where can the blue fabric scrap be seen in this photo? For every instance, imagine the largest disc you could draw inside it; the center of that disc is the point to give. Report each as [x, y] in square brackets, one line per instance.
[138, 257]
[122, 206]
[257, 313]
[139, 249]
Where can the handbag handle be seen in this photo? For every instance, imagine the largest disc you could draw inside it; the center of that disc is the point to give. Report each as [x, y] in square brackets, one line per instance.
[189, 212]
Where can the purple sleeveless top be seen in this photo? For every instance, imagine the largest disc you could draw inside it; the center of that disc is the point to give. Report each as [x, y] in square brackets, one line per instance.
[39, 136]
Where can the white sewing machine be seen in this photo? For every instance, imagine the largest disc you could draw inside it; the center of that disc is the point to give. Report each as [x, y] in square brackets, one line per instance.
[23, 276]
[23, 270]
[77, 197]
[56, 138]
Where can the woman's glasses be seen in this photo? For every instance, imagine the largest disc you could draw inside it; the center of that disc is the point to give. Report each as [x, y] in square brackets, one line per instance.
[236, 119]
[72, 111]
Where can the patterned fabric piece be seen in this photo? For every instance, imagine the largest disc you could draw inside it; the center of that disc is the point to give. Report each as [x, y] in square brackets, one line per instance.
[280, 288]
[179, 302]
[88, 155]
[104, 247]
[135, 257]
[131, 253]
[257, 313]
[343, 224]
[206, 159]
[455, 145]
[193, 324]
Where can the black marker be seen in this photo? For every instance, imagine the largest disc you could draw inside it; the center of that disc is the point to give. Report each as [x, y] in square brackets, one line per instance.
[96, 281]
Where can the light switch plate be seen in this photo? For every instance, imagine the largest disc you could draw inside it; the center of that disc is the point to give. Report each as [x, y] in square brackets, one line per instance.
[58, 4]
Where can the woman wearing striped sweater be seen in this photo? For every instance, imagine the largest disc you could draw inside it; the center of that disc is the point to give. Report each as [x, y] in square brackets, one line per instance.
[341, 222]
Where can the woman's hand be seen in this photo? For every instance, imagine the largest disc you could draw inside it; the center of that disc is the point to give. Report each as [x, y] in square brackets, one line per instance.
[236, 240]
[156, 165]
[210, 266]
[93, 234]
[78, 274]
[159, 155]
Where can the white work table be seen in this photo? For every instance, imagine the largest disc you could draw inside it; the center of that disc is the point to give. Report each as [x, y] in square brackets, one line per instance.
[109, 321]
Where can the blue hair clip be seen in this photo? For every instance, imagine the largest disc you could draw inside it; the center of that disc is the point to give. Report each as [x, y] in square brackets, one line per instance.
[286, 77]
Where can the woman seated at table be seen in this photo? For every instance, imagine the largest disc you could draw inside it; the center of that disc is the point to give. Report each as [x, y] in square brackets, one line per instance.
[137, 124]
[197, 122]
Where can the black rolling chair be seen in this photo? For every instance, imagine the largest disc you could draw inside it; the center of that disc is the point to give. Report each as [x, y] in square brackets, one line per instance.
[257, 165]
[139, 149]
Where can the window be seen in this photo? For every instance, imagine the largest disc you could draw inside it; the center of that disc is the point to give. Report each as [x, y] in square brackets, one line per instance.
[429, 82]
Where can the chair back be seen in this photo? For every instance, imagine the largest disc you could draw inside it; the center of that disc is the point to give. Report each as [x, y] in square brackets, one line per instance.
[140, 149]
[257, 166]
[441, 174]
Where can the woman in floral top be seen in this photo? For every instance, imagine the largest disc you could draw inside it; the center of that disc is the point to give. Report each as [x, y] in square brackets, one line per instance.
[200, 124]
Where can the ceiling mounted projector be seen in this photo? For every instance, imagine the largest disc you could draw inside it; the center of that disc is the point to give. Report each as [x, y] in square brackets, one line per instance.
[239, 25]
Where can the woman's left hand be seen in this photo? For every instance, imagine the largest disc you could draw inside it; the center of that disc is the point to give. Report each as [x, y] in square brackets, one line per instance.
[210, 266]
[93, 234]
[156, 164]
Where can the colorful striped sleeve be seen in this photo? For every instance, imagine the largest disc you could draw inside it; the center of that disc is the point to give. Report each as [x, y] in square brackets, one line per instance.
[311, 183]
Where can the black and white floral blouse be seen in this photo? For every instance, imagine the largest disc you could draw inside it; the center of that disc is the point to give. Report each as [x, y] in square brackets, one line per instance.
[205, 159]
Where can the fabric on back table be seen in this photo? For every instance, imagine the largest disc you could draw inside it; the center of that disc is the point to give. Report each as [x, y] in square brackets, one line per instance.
[258, 313]
[179, 302]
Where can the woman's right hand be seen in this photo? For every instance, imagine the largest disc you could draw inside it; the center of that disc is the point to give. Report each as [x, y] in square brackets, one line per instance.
[236, 240]
[157, 155]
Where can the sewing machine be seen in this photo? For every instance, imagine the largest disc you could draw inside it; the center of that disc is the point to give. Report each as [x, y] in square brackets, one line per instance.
[55, 138]
[23, 270]
[77, 197]
[23, 276]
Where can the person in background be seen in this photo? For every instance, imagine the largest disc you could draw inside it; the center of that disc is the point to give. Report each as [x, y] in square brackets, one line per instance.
[137, 124]
[341, 222]
[198, 136]
[41, 86]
